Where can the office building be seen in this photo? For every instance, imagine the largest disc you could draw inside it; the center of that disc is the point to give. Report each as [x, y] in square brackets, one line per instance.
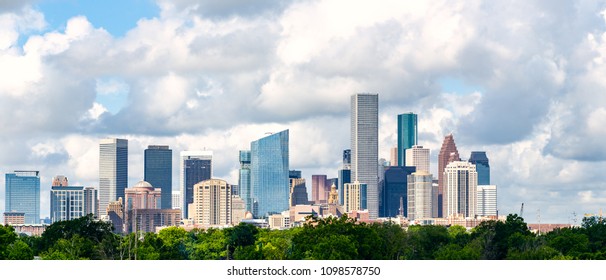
[355, 196]
[91, 201]
[365, 146]
[418, 157]
[22, 194]
[407, 135]
[393, 156]
[344, 174]
[196, 166]
[113, 171]
[298, 192]
[460, 192]
[487, 200]
[115, 215]
[269, 174]
[394, 197]
[448, 153]
[149, 220]
[420, 195]
[244, 183]
[176, 199]
[158, 171]
[319, 190]
[238, 210]
[143, 196]
[480, 159]
[212, 203]
[14, 218]
[66, 202]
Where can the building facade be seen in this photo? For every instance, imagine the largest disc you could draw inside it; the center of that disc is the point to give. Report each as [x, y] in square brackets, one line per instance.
[365, 146]
[319, 190]
[91, 201]
[480, 159]
[246, 192]
[22, 194]
[407, 135]
[143, 196]
[418, 157]
[212, 203]
[448, 153]
[113, 171]
[344, 174]
[176, 199]
[298, 192]
[460, 193]
[158, 171]
[196, 166]
[487, 199]
[355, 197]
[269, 174]
[66, 202]
[14, 218]
[420, 195]
[394, 196]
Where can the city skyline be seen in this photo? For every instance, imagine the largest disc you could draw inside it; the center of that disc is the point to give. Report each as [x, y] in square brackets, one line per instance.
[528, 97]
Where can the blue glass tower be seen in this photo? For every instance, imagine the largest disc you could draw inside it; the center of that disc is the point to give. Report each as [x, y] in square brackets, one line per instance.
[244, 180]
[344, 174]
[480, 159]
[196, 166]
[269, 173]
[113, 171]
[407, 135]
[395, 186]
[23, 194]
[158, 171]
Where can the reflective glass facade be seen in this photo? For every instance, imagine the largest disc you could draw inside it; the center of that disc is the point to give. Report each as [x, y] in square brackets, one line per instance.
[158, 171]
[407, 135]
[195, 167]
[22, 194]
[480, 159]
[395, 186]
[113, 171]
[269, 173]
[244, 180]
[67, 203]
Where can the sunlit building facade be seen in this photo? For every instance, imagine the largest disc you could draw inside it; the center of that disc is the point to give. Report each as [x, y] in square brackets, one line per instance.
[269, 174]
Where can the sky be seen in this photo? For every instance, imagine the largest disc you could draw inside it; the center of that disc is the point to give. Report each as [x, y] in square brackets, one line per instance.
[523, 81]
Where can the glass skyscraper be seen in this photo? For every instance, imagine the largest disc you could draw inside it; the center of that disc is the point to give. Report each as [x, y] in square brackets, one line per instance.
[196, 166]
[22, 194]
[67, 203]
[158, 171]
[344, 174]
[407, 135]
[269, 173]
[395, 188]
[113, 171]
[244, 181]
[365, 146]
[480, 159]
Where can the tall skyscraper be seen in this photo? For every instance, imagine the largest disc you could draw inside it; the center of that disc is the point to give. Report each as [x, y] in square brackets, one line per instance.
[460, 193]
[269, 173]
[246, 192]
[420, 194]
[407, 135]
[487, 199]
[91, 201]
[344, 174]
[418, 157]
[67, 202]
[393, 156]
[448, 153]
[113, 171]
[365, 146]
[158, 171]
[480, 159]
[196, 166]
[212, 203]
[395, 191]
[298, 191]
[355, 196]
[22, 194]
[319, 190]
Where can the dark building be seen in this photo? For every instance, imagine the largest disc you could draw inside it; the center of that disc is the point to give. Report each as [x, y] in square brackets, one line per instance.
[395, 189]
[480, 159]
[196, 169]
[158, 171]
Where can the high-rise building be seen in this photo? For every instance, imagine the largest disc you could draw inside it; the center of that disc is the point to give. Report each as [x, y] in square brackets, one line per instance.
[158, 171]
[420, 194]
[113, 171]
[246, 192]
[365, 146]
[269, 174]
[344, 174]
[298, 191]
[142, 209]
[480, 159]
[355, 196]
[487, 200]
[14, 218]
[22, 194]
[460, 192]
[319, 192]
[238, 210]
[394, 196]
[393, 156]
[91, 201]
[407, 135]
[347, 159]
[142, 196]
[212, 203]
[176, 197]
[66, 202]
[196, 166]
[448, 153]
[418, 157]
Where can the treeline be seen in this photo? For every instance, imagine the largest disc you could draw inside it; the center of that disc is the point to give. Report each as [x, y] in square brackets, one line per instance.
[320, 239]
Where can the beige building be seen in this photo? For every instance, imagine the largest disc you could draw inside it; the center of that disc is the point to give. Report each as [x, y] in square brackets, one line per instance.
[420, 193]
[393, 156]
[14, 218]
[354, 196]
[460, 189]
[148, 220]
[115, 214]
[238, 210]
[142, 196]
[419, 157]
[212, 203]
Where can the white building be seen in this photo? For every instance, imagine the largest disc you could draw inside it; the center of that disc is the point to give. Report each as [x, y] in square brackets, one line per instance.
[176, 199]
[460, 189]
[487, 200]
[420, 194]
[419, 157]
[354, 196]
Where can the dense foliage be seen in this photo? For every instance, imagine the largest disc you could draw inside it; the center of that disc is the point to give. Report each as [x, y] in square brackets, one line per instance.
[325, 239]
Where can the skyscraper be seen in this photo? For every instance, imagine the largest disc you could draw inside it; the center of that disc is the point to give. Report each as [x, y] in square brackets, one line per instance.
[418, 157]
[420, 193]
[212, 203]
[355, 196]
[22, 194]
[113, 171]
[448, 153]
[393, 156]
[487, 199]
[395, 190]
[67, 202]
[365, 146]
[196, 166]
[269, 173]
[407, 135]
[158, 171]
[91, 201]
[480, 159]
[298, 191]
[344, 174]
[460, 189]
[244, 184]
[319, 190]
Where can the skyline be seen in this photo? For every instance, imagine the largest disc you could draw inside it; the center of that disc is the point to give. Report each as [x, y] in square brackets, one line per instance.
[465, 68]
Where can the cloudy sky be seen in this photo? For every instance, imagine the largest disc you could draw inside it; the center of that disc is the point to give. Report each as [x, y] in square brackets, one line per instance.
[524, 81]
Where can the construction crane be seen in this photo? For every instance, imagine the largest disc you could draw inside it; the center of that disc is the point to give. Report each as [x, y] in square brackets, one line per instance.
[522, 210]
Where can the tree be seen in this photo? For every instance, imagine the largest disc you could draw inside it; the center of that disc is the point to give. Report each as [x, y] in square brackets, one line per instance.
[7, 237]
[19, 250]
